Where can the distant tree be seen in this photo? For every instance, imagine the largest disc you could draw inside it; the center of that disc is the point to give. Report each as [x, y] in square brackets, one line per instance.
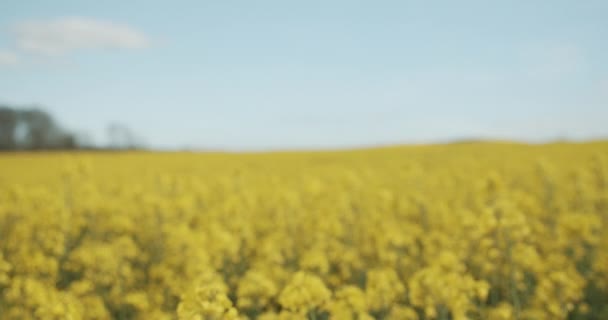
[84, 140]
[36, 129]
[8, 126]
[40, 127]
[32, 129]
[121, 137]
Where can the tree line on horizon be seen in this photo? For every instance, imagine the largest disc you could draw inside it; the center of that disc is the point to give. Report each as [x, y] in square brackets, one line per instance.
[36, 129]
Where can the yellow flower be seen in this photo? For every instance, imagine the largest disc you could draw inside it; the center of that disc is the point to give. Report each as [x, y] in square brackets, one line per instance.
[383, 288]
[304, 292]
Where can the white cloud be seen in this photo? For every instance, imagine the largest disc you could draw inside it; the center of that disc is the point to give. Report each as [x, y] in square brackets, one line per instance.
[8, 58]
[65, 35]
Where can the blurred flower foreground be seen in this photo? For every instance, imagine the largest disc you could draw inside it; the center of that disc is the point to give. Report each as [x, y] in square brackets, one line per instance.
[459, 231]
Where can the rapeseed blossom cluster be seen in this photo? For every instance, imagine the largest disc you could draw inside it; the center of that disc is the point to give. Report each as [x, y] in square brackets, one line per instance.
[465, 231]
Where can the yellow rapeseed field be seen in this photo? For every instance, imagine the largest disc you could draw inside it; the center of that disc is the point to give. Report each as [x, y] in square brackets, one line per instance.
[463, 231]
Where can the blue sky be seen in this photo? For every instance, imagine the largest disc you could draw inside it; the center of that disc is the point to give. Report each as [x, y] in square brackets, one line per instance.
[262, 74]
